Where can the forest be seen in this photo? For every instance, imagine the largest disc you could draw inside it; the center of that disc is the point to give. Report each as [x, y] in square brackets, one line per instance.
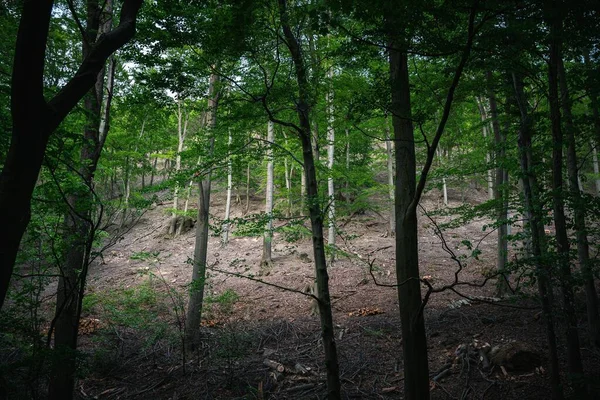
[299, 199]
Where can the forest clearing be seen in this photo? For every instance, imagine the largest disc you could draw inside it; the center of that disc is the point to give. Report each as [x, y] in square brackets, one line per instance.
[299, 199]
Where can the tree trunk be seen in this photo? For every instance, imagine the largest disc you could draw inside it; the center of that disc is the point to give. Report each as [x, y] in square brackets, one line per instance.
[303, 192]
[501, 193]
[348, 163]
[408, 195]
[538, 245]
[488, 157]
[414, 341]
[34, 119]
[194, 312]
[579, 207]
[330, 160]
[153, 171]
[79, 224]
[315, 211]
[247, 208]
[182, 123]
[596, 166]
[390, 175]
[128, 169]
[562, 239]
[266, 262]
[288, 182]
[226, 225]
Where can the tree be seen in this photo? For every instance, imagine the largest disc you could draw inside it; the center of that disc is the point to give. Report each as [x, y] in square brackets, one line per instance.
[196, 298]
[554, 20]
[35, 119]
[267, 262]
[314, 207]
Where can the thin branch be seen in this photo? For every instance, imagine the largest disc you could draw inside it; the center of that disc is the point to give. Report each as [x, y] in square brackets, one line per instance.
[250, 278]
[447, 107]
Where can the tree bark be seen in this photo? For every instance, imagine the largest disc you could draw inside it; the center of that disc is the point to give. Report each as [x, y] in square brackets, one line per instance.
[596, 166]
[488, 157]
[501, 192]
[194, 312]
[266, 262]
[314, 208]
[247, 208]
[414, 340]
[226, 225]
[182, 123]
[390, 175]
[538, 246]
[79, 224]
[288, 181]
[128, 169]
[408, 195]
[579, 207]
[562, 239]
[533, 210]
[330, 161]
[34, 119]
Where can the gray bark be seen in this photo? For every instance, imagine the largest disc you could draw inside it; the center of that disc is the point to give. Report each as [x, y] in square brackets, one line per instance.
[226, 225]
[194, 311]
[314, 208]
[330, 160]
[267, 261]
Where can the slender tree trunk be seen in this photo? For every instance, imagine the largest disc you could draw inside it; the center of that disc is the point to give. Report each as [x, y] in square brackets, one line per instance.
[226, 225]
[247, 208]
[330, 160]
[128, 169]
[315, 211]
[266, 261]
[288, 182]
[562, 240]
[390, 176]
[194, 312]
[595, 165]
[501, 192]
[488, 157]
[182, 123]
[303, 192]
[79, 224]
[348, 163]
[153, 171]
[538, 246]
[579, 207]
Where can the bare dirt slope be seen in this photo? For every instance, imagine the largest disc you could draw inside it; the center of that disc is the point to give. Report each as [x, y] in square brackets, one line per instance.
[266, 323]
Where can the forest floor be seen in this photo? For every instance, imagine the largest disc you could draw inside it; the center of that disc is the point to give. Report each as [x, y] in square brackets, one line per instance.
[132, 317]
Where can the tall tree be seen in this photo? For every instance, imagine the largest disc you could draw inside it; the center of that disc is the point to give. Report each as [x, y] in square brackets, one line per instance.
[267, 262]
[314, 204]
[553, 17]
[408, 194]
[79, 222]
[194, 311]
[578, 205]
[35, 119]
